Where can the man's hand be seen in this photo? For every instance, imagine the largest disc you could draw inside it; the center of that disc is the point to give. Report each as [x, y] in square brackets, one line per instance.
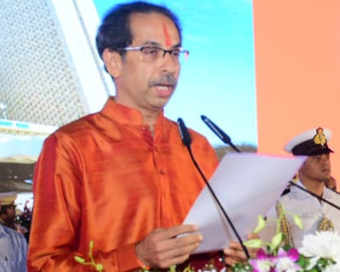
[162, 248]
[235, 254]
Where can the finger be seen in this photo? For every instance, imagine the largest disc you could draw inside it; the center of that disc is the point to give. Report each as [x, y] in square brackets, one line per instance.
[174, 255]
[177, 255]
[239, 252]
[164, 234]
[252, 236]
[235, 245]
[181, 229]
[174, 261]
[236, 254]
[253, 252]
[180, 251]
[230, 261]
[179, 242]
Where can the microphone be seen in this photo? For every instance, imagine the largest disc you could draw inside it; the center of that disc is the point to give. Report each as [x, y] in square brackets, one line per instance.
[186, 139]
[226, 139]
[185, 136]
[219, 132]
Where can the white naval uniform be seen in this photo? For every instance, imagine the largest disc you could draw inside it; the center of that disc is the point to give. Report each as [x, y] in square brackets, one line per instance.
[309, 209]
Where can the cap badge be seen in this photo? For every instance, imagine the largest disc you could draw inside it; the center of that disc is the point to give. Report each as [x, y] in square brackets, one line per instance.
[319, 138]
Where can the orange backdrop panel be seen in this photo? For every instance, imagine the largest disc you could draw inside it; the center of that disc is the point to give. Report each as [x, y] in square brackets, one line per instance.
[297, 56]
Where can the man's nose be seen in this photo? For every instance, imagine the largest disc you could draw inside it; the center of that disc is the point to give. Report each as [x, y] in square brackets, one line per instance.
[169, 63]
[325, 160]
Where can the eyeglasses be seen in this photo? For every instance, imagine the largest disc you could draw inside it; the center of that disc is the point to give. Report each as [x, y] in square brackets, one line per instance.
[153, 53]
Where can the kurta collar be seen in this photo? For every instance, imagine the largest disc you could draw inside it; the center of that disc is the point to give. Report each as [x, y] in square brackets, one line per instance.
[114, 114]
[125, 115]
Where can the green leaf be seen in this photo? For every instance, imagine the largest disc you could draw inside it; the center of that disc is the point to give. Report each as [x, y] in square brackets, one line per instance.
[298, 221]
[99, 267]
[188, 269]
[79, 259]
[253, 243]
[261, 223]
[240, 267]
[173, 268]
[303, 262]
[276, 241]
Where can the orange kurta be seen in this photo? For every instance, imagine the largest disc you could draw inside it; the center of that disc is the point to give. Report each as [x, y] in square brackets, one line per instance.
[105, 178]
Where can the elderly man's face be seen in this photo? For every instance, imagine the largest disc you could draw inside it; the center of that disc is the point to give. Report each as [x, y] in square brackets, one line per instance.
[141, 82]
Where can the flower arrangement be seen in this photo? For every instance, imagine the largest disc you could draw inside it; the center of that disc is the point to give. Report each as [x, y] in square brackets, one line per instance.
[100, 267]
[207, 268]
[319, 252]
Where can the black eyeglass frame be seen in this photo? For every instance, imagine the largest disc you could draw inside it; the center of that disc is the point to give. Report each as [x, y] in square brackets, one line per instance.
[175, 52]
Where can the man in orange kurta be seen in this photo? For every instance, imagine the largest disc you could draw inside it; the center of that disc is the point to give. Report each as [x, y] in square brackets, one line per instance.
[122, 177]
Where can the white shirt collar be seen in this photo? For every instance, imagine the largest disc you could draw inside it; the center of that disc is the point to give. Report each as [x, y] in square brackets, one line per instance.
[300, 194]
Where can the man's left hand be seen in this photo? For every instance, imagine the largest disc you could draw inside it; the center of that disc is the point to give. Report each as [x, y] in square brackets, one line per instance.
[235, 254]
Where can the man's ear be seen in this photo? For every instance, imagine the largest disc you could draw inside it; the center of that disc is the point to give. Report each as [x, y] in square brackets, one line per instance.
[113, 62]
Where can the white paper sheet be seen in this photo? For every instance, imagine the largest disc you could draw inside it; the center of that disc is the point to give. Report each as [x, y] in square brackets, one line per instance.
[247, 185]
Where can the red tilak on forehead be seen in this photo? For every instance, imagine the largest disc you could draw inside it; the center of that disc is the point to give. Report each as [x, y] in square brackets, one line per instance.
[167, 35]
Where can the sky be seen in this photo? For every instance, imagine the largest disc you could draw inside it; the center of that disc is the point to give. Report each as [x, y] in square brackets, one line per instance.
[218, 79]
[11, 145]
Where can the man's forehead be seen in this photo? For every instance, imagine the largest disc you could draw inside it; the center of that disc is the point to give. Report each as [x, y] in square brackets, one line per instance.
[318, 156]
[154, 27]
[168, 41]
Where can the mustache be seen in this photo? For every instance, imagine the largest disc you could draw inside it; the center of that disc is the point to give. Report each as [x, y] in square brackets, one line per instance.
[166, 79]
[326, 169]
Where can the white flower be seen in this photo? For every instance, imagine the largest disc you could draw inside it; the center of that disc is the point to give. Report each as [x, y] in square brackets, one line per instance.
[333, 268]
[264, 266]
[285, 264]
[325, 244]
[285, 261]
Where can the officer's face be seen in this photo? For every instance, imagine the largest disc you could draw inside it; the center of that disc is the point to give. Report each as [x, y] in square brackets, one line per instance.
[317, 167]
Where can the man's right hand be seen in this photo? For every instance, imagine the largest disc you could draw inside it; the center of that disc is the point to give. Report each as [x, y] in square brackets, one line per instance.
[162, 248]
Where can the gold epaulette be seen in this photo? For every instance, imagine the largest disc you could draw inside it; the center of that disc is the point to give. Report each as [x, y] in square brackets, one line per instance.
[325, 224]
[285, 228]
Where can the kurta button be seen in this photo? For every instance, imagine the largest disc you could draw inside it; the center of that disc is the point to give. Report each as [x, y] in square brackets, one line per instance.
[156, 149]
[162, 171]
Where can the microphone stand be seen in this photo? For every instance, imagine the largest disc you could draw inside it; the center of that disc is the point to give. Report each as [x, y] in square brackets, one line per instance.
[186, 139]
